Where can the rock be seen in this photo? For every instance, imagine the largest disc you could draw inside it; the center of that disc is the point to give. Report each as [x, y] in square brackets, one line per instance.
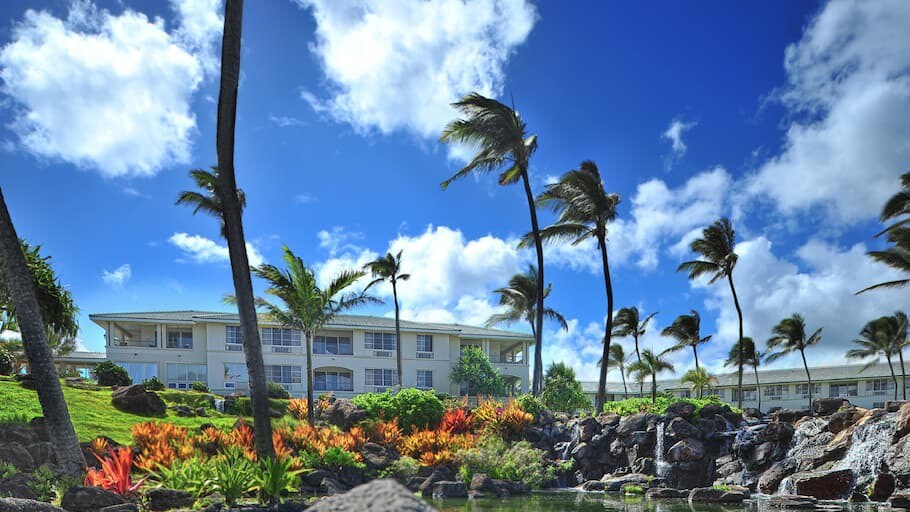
[902, 424]
[533, 434]
[752, 413]
[136, 400]
[587, 427]
[842, 420]
[632, 423]
[687, 450]
[711, 410]
[26, 505]
[882, 488]
[167, 499]
[89, 499]
[331, 486]
[770, 480]
[439, 474]
[314, 478]
[895, 405]
[18, 456]
[762, 455]
[183, 411]
[777, 431]
[792, 501]
[614, 484]
[900, 500]
[39, 427]
[385, 495]
[17, 433]
[683, 410]
[449, 489]
[791, 415]
[663, 493]
[582, 451]
[481, 482]
[377, 456]
[678, 428]
[617, 447]
[350, 476]
[17, 486]
[506, 488]
[712, 495]
[824, 485]
[828, 406]
[42, 453]
[123, 507]
[414, 483]
[592, 486]
[343, 414]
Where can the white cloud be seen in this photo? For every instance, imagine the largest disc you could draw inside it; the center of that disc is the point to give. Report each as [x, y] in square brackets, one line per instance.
[104, 91]
[200, 26]
[338, 240]
[674, 134]
[284, 121]
[304, 199]
[117, 277]
[397, 65]
[848, 94]
[204, 250]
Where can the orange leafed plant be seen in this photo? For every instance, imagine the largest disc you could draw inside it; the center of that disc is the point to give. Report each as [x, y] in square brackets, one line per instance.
[508, 420]
[422, 444]
[456, 421]
[99, 445]
[387, 433]
[297, 407]
[115, 473]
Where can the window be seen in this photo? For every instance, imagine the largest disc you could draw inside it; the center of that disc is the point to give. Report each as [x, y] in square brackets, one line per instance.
[424, 343]
[879, 387]
[842, 389]
[333, 381]
[719, 393]
[685, 394]
[279, 337]
[233, 338]
[379, 340]
[180, 375]
[749, 394]
[339, 345]
[179, 338]
[424, 379]
[381, 377]
[803, 390]
[282, 374]
[776, 392]
[878, 405]
[235, 372]
[140, 371]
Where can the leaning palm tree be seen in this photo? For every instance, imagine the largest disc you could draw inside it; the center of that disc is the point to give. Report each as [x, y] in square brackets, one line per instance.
[650, 365]
[306, 306]
[718, 259]
[698, 380]
[897, 256]
[686, 330]
[789, 337]
[206, 199]
[520, 301]
[877, 339]
[619, 360]
[752, 357]
[897, 205]
[900, 343]
[388, 268]
[584, 210]
[503, 143]
[40, 303]
[628, 322]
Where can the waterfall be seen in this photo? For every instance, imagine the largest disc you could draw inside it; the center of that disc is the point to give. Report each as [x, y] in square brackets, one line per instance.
[869, 443]
[786, 486]
[219, 405]
[660, 465]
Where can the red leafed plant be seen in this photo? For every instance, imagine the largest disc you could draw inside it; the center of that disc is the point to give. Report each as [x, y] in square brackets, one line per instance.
[115, 473]
[456, 421]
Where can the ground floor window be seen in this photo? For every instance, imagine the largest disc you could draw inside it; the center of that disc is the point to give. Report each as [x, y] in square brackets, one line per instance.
[879, 386]
[843, 389]
[749, 394]
[235, 373]
[182, 376]
[380, 377]
[140, 371]
[776, 391]
[424, 379]
[331, 380]
[803, 390]
[282, 374]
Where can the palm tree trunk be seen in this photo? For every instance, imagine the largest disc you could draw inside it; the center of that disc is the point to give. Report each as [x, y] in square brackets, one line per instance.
[903, 374]
[397, 332]
[757, 387]
[808, 378]
[893, 377]
[695, 351]
[608, 284]
[21, 287]
[654, 388]
[233, 227]
[641, 383]
[739, 313]
[538, 318]
[625, 390]
[310, 414]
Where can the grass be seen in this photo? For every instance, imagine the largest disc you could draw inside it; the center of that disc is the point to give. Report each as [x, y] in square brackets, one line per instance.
[92, 413]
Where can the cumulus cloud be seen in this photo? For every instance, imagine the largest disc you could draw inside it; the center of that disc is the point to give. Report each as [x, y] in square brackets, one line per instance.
[119, 276]
[848, 94]
[674, 134]
[397, 65]
[205, 250]
[284, 121]
[108, 92]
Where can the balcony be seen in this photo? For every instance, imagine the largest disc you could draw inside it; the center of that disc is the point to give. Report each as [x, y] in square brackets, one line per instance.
[515, 358]
[131, 342]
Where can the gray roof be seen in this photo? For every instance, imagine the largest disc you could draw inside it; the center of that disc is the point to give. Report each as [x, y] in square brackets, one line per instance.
[340, 322]
[78, 356]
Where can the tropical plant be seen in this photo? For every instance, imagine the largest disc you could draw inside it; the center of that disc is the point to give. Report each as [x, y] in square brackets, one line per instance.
[562, 391]
[200, 387]
[686, 330]
[388, 268]
[497, 459]
[115, 474]
[474, 371]
[192, 475]
[699, 380]
[877, 338]
[276, 390]
[456, 421]
[628, 322]
[274, 478]
[651, 365]
[306, 306]
[584, 210]
[718, 259]
[790, 336]
[108, 373]
[659, 406]
[412, 407]
[752, 356]
[153, 383]
[901, 342]
[233, 475]
[530, 403]
[619, 360]
[502, 142]
[401, 469]
[897, 205]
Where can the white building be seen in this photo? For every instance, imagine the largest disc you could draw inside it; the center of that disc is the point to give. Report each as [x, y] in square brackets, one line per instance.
[353, 354]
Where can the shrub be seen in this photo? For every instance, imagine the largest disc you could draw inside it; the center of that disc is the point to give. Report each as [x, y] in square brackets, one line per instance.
[530, 404]
[456, 421]
[297, 407]
[412, 407]
[192, 475]
[115, 474]
[276, 391]
[200, 386]
[562, 391]
[232, 475]
[7, 469]
[6, 361]
[402, 469]
[507, 420]
[243, 407]
[433, 447]
[333, 459]
[274, 478]
[637, 405]
[193, 400]
[518, 462]
[111, 374]
[153, 384]
[474, 370]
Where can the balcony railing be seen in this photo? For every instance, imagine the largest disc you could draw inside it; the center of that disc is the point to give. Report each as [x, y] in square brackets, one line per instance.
[120, 342]
[424, 355]
[506, 359]
[233, 347]
[283, 349]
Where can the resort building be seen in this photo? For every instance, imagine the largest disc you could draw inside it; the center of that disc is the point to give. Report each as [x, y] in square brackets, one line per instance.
[351, 355]
[786, 388]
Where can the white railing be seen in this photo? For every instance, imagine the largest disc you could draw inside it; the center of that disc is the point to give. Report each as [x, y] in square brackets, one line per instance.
[119, 342]
[424, 355]
[233, 347]
[382, 353]
[507, 359]
[378, 389]
[284, 349]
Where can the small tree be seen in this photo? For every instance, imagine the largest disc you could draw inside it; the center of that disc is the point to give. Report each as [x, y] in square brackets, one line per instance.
[561, 390]
[475, 371]
[111, 374]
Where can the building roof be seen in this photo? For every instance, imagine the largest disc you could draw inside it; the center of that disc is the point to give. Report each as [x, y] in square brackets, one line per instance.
[80, 356]
[340, 322]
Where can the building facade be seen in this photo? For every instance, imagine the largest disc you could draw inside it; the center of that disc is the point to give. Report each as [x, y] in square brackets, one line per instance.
[351, 355]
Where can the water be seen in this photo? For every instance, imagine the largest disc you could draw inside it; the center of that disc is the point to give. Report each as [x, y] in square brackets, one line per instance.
[661, 466]
[219, 405]
[869, 444]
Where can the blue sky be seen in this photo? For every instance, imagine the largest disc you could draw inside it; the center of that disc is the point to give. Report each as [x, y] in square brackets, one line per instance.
[790, 117]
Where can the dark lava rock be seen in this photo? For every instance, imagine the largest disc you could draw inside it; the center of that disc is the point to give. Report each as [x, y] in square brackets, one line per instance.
[314, 478]
[136, 400]
[770, 480]
[592, 485]
[24, 505]
[18, 486]
[167, 499]
[384, 495]
[632, 423]
[687, 450]
[587, 427]
[679, 428]
[711, 410]
[614, 484]
[842, 420]
[17, 433]
[439, 474]
[377, 456]
[753, 413]
[824, 485]
[683, 410]
[900, 500]
[123, 507]
[449, 489]
[582, 451]
[792, 501]
[42, 453]
[663, 493]
[331, 486]
[902, 424]
[18, 456]
[882, 488]
[89, 499]
[828, 406]
[791, 415]
[712, 495]
[343, 414]
[777, 431]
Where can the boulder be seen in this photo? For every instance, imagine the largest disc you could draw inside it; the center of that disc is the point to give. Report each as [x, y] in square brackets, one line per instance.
[384, 495]
[902, 423]
[828, 406]
[314, 478]
[679, 428]
[587, 427]
[183, 411]
[24, 505]
[39, 427]
[377, 456]
[898, 460]
[439, 474]
[882, 487]
[582, 451]
[832, 484]
[900, 500]
[686, 450]
[42, 453]
[752, 413]
[762, 455]
[770, 480]
[136, 399]
[449, 489]
[711, 410]
[343, 414]
[167, 499]
[791, 415]
[792, 501]
[614, 484]
[842, 420]
[123, 507]
[713, 495]
[895, 405]
[592, 486]
[663, 493]
[17, 433]
[89, 499]
[17, 486]
[18, 456]
[683, 410]
[331, 486]
[632, 423]
[777, 431]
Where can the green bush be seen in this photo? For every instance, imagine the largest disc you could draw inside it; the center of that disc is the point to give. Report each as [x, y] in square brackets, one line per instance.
[530, 404]
[153, 384]
[276, 391]
[637, 405]
[192, 475]
[6, 361]
[633, 490]
[518, 462]
[193, 400]
[402, 469]
[273, 479]
[110, 374]
[333, 459]
[200, 387]
[232, 475]
[243, 407]
[412, 407]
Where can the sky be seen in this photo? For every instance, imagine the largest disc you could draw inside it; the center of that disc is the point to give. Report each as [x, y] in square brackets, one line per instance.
[791, 118]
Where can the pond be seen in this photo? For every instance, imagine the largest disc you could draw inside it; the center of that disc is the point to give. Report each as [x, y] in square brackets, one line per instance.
[573, 501]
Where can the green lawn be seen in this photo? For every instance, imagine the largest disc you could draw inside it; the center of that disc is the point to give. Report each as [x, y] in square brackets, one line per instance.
[92, 412]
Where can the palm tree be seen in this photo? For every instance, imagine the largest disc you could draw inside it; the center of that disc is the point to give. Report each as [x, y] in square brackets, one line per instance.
[583, 211]
[650, 365]
[897, 205]
[897, 257]
[752, 357]
[40, 303]
[207, 200]
[502, 142]
[716, 247]
[901, 342]
[699, 380]
[307, 307]
[619, 360]
[877, 338]
[790, 336]
[388, 268]
[686, 331]
[627, 322]
[520, 301]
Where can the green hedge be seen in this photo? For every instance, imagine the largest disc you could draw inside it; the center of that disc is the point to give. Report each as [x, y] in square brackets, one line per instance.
[636, 405]
[243, 406]
[189, 398]
[412, 407]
